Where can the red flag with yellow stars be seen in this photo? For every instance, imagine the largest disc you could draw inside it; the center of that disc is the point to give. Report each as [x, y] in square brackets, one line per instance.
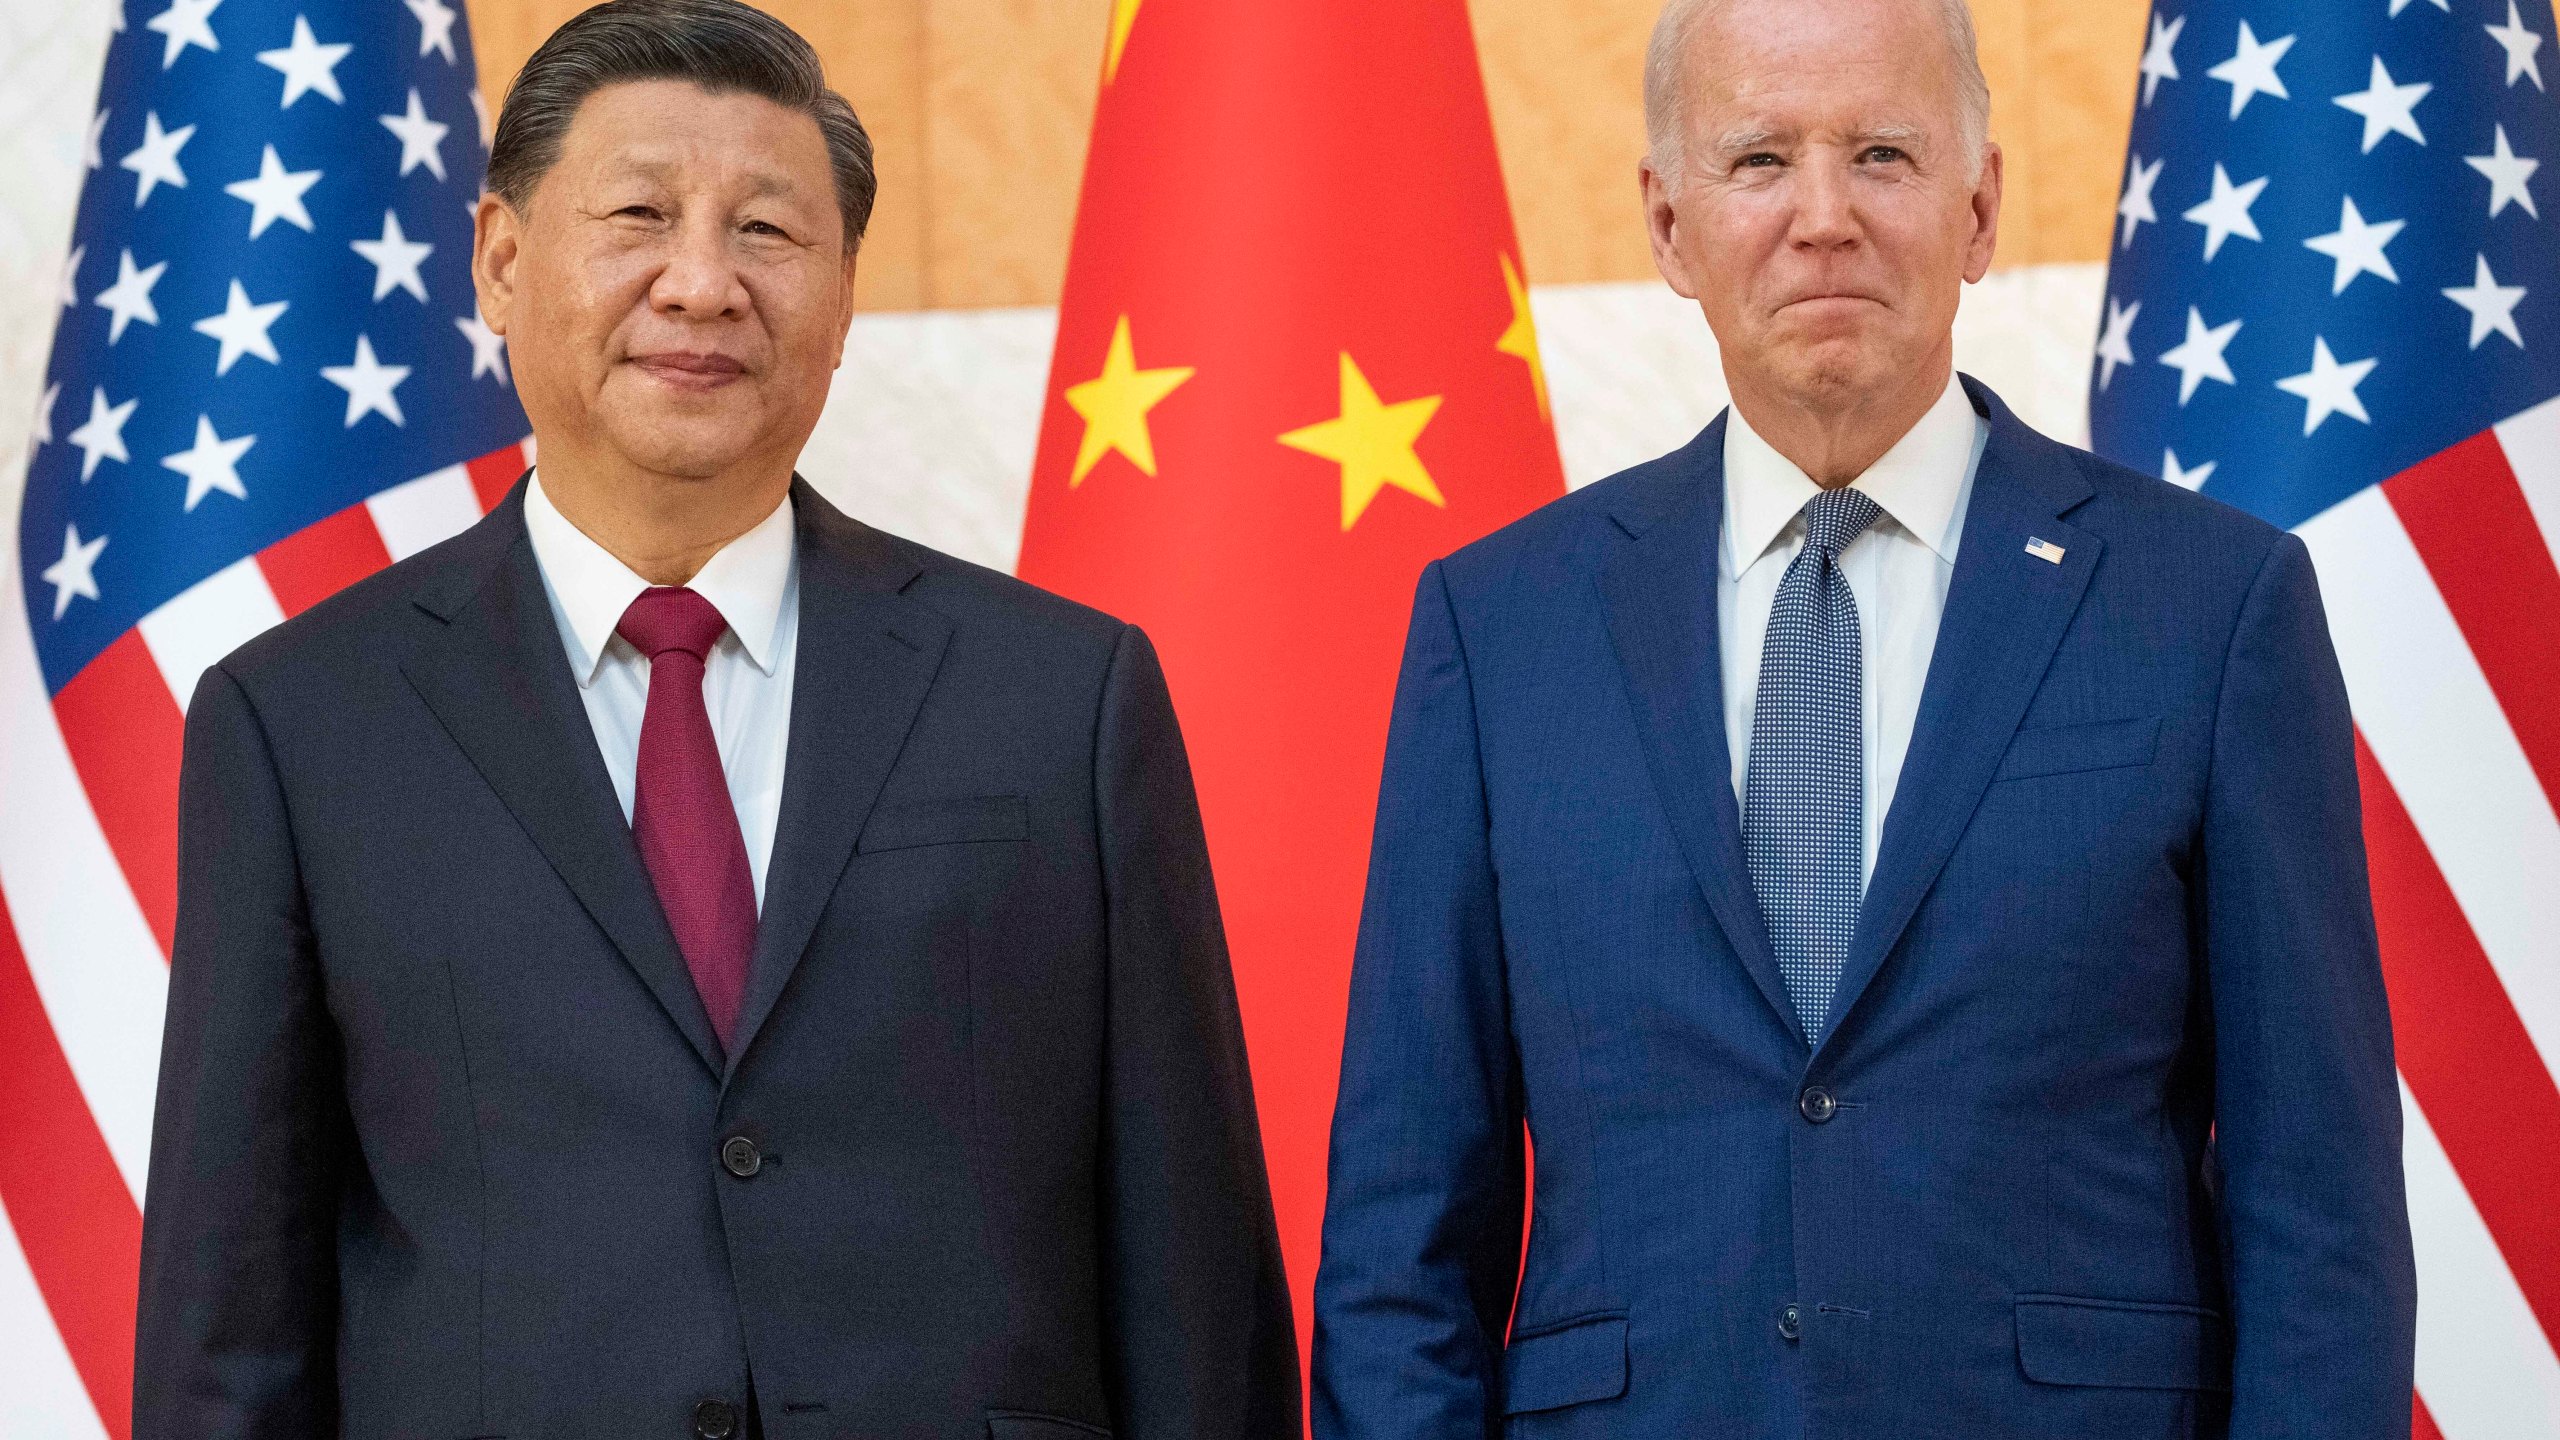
[1295, 363]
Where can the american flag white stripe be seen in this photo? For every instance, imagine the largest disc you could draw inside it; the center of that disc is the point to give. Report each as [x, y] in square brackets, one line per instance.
[91, 952]
[41, 1389]
[208, 620]
[2532, 443]
[2485, 1369]
[2442, 737]
[87, 944]
[416, 514]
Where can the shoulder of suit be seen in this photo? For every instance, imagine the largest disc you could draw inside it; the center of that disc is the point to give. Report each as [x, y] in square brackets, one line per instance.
[2126, 506]
[968, 594]
[1563, 530]
[378, 618]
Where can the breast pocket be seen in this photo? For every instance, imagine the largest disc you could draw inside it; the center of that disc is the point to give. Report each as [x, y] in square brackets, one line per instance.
[2070, 749]
[970, 819]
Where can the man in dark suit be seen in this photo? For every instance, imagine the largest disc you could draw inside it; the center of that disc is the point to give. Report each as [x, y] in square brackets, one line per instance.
[675, 961]
[1903, 873]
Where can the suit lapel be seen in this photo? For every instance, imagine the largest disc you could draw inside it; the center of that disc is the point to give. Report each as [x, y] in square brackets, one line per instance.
[498, 680]
[2006, 613]
[867, 655]
[1659, 592]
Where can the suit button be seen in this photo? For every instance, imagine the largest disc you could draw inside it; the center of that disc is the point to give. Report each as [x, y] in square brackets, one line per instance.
[1791, 1322]
[1816, 1104]
[715, 1420]
[739, 1156]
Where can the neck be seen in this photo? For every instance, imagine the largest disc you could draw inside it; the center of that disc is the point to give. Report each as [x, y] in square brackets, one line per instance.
[664, 527]
[1834, 439]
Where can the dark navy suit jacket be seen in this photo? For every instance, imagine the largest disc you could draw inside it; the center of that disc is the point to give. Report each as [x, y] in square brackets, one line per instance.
[2104, 1139]
[447, 1147]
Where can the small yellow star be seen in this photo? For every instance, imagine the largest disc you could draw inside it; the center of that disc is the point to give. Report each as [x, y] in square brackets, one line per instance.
[1373, 443]
[1521, 339]
[1124, 13]
[1114, 405]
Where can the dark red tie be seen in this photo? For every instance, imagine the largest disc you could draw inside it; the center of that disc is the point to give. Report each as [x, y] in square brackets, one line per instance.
[680, 811]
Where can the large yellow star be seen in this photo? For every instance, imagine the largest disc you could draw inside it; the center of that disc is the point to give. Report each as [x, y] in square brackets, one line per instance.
[1114, 405]
[1124, 13]
[1373, 443]
[1521, 339]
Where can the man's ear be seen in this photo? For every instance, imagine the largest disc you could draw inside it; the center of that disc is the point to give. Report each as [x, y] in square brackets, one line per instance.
[1986, 216]
[497, 236]
[844, 320]
[1662, 226]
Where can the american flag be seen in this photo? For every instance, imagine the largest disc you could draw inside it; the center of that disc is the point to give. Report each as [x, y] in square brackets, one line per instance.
[2334, 301]
[268, 380]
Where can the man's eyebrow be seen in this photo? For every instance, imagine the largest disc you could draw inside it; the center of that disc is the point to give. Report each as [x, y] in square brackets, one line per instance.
[1889, 134]
[1745, 137]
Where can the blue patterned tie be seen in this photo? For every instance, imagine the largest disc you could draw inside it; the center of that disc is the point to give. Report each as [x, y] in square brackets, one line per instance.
[1804, 795]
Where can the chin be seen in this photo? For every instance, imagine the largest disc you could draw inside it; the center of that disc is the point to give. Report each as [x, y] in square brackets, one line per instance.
[695, 448]
[1840, 368]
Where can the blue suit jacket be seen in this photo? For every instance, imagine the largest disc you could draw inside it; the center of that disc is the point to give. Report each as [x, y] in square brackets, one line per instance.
[2104, 1139]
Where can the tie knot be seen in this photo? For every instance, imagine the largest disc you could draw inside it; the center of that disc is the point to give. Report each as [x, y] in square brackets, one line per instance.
[1835, 517]
[670, 617]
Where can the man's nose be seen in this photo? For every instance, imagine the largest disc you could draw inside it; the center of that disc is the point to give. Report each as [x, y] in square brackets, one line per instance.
[700, 277]
[1826, 210]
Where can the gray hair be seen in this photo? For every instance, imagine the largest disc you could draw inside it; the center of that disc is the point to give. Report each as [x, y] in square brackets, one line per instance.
[1666, 96]
[721, 45]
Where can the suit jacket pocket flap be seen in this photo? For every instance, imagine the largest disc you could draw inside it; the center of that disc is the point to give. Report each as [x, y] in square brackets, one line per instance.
[946, 822]
[1030, 1425]
[2061, 749]
[2066, 1341]
[1567, 1364]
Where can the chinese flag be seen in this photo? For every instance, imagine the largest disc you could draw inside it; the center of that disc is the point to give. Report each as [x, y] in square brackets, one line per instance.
[1295, 363]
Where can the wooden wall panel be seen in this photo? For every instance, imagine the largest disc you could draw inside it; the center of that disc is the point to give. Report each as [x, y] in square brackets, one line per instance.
[1566, 85]
[1009, 93]
[979, 109]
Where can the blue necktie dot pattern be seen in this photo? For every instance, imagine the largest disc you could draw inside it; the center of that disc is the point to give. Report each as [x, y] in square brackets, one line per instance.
[1804, 791]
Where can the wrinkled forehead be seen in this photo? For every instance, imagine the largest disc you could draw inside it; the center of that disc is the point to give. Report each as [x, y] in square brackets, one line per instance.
[676, 135]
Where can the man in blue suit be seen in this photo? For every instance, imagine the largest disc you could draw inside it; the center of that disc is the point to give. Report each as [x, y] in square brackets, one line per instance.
[1902, 873]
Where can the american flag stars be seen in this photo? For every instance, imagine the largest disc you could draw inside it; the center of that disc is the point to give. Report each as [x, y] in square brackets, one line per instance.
[241, 328]
[2509, 175]
[308, 66]
[274, 193]
[185, 23]
[369, 385]
[2423, 103]
[155, 160]
[269, 277]
[421, 139]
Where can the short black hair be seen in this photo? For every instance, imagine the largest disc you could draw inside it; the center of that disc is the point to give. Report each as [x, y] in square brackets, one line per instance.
[721, 45]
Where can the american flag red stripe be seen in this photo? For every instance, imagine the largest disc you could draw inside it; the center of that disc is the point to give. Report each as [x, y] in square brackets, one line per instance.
[2466, 512]
[2422, 1426]
[71, 1201]
[317, 562]
[125, 733]
[2459, 1040]
[77, 1225]
[2444, 600]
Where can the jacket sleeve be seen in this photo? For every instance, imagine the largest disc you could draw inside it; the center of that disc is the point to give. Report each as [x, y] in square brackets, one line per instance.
[1202, 1343]
[236, 1333]
[2323, 1290]
[1424, 1207]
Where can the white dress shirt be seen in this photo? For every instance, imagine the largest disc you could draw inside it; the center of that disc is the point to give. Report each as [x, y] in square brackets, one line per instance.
[1898, 570]
[754, 582]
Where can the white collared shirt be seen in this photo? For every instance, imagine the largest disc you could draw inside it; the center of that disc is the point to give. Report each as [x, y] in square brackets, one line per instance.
[1898, 570]
[754, 582]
